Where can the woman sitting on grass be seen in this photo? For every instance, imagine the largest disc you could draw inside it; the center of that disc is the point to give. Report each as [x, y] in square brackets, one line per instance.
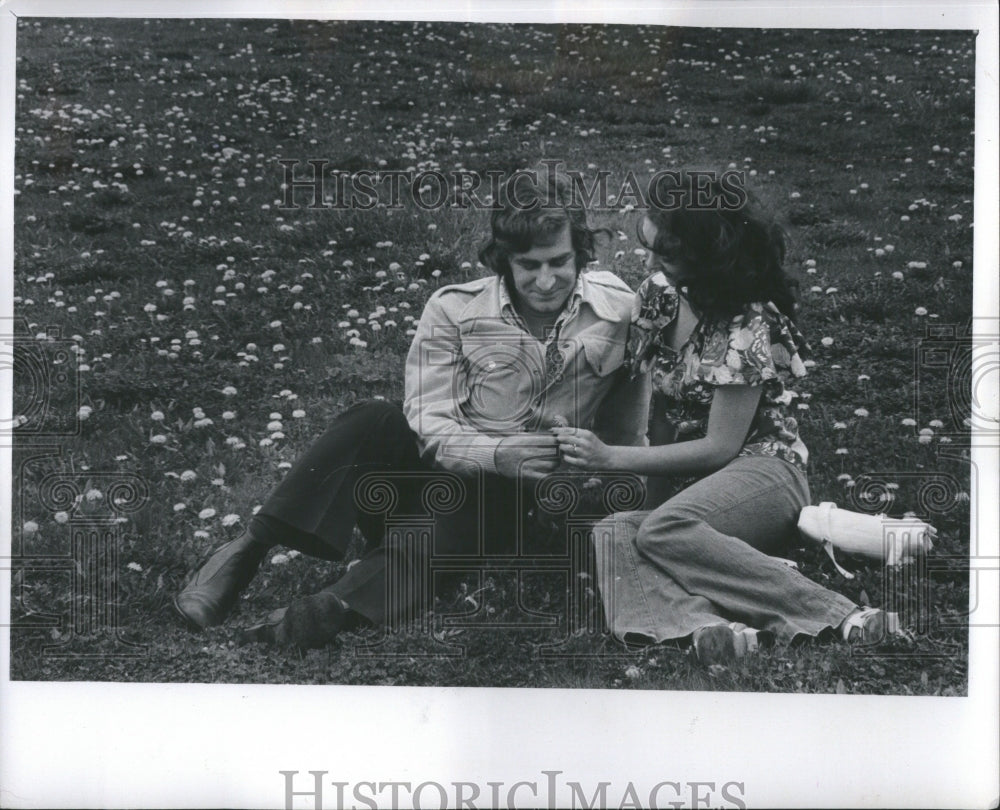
[715, 326]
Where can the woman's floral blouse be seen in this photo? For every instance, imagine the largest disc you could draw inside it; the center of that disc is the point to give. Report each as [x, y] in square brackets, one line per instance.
[760, 346]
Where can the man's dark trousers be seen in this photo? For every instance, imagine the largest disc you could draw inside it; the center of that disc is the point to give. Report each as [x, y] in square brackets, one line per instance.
[366, 469]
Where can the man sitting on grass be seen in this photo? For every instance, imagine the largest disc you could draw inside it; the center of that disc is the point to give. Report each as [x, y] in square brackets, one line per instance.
[494, 364]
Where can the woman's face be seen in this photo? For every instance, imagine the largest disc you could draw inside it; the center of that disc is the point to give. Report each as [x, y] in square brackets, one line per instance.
[655, 262]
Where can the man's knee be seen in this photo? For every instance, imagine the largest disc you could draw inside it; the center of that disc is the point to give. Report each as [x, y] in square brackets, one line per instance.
[377, 415]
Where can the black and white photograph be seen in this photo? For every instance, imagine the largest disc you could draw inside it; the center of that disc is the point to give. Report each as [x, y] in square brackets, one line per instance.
[405, 407]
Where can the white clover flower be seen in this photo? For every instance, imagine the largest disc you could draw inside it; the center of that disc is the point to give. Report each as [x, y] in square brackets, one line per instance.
[180, 507]
[84, 412]
[827, 341]
[134, 566]
[839, 425]
[936, 423]
[920, 311]
[228, 415]
[29, 528]
[94, 495]
[861, 412]
[230, 520]
[159, 438]
[279, 559]
[908, 422]
[298, 413]
[206, 513]
[188, 475]
[229, 391]
[61, 517]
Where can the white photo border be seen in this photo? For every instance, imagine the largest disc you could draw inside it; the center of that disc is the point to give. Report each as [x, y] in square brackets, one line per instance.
[160, 745]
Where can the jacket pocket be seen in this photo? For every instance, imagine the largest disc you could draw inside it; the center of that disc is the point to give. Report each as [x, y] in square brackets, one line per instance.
[604, 355]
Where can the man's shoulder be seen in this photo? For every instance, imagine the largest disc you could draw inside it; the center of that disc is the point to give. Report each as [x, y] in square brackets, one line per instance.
[610, 297]
[463, 291]
[455, 299]
[608, 280]
[477, 285]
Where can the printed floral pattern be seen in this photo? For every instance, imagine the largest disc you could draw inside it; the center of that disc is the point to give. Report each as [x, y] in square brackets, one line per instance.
[758, 347]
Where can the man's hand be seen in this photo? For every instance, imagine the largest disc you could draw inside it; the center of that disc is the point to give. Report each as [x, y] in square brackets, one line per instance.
[527, 456]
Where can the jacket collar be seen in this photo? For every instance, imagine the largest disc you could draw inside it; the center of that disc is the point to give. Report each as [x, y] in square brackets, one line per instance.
[490, 303]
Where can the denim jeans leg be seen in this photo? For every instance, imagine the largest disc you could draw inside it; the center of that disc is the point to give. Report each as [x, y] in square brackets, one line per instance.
[714, 540]
[640, 600]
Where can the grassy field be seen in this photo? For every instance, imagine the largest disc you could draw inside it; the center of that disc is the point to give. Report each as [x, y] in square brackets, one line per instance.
[213, 334]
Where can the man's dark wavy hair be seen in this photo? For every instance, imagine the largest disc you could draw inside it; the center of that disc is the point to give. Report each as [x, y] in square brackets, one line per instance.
[532, 209]
[728, 255]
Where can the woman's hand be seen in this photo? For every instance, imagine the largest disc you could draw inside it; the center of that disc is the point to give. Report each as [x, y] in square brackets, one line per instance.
[581, 448]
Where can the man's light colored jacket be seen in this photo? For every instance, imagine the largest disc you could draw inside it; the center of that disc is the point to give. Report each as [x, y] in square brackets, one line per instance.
[474, 373]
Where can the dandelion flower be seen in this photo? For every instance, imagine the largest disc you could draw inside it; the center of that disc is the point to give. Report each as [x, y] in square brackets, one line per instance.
[205, 514]
[61, 517]
[230, 520]
[29, 528]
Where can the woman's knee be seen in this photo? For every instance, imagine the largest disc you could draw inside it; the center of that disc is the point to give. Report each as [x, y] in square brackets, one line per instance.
[662, 532]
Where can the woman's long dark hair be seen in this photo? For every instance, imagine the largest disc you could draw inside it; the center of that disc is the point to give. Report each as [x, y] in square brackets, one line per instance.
[729, 253]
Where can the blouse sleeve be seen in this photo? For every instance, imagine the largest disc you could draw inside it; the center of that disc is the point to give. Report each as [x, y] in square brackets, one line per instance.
[654, 309]
[761, 346]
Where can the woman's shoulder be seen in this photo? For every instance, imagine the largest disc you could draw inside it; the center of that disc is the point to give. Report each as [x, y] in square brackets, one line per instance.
[758, 343]
[765, 337]
[655, 298]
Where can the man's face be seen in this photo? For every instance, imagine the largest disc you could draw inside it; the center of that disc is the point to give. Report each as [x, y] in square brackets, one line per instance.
[544, 277]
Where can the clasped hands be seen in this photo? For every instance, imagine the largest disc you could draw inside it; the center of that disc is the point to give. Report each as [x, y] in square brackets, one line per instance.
[535, 455]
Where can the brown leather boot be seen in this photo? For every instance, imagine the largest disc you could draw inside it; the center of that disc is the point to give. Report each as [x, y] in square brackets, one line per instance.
[212, 592]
